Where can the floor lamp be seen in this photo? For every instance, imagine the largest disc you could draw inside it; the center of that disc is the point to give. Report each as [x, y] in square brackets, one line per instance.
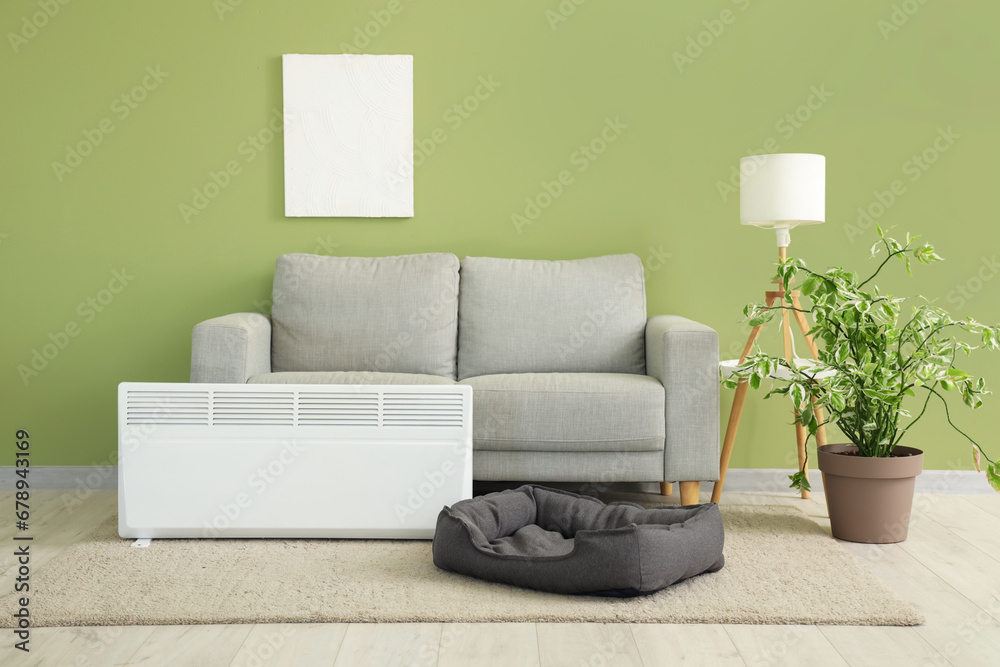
[779, 192]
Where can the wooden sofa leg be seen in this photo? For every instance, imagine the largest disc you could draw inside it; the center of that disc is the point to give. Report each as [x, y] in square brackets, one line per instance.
[689, 493]
[666, 488]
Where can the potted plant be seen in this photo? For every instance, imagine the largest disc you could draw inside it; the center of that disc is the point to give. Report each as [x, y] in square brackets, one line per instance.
[878, 359]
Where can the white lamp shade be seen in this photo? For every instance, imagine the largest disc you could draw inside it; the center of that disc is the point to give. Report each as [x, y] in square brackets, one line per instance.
[783, 190]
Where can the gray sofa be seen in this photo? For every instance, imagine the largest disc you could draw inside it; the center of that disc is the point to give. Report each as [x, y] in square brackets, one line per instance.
[571, 381]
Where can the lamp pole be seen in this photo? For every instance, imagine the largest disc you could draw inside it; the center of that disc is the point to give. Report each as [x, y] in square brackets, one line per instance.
[782, 191]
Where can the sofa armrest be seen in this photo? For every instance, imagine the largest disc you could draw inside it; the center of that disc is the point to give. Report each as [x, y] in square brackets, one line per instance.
[231, 348]
[684, 356]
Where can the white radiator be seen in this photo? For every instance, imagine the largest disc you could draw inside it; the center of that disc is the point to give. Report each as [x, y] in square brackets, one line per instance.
[231, 460]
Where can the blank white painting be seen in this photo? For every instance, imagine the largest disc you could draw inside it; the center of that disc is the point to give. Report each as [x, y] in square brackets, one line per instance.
[348, 135]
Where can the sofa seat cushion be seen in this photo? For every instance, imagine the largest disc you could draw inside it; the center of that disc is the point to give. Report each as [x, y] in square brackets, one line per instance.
[347, 377]
[567, 412]
[383, 314]
[562, 542]
[538, 316]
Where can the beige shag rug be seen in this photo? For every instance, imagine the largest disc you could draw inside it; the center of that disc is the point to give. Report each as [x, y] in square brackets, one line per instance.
[781, 568]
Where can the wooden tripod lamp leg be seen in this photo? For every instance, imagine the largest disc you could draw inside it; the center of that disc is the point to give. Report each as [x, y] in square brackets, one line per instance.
[800, 318]
[800, 441]
[821, 430]
[727, 446]
[786, 330]
[741, 389]
[735, 412]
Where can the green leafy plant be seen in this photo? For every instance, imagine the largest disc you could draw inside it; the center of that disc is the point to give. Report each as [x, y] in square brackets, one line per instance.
[878, 358]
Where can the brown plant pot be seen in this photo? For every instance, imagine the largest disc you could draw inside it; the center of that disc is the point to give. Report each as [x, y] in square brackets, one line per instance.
[869, 499]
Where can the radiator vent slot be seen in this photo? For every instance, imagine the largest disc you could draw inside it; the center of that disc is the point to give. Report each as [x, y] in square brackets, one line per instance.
[166, 407]
[283, 408]
[419, 409]
[338, 409]
[241, 408]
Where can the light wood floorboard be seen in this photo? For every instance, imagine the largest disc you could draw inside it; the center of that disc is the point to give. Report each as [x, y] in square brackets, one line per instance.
[191, 645]
[949, 568]
[882, 646]
[390, 645]
[785, 645]
[956, 627]
[298, 644]
[669, 645]
[969, 521]
[488, 645]
[573, 644]
[969, 570]
[986, 501]
[92, 647]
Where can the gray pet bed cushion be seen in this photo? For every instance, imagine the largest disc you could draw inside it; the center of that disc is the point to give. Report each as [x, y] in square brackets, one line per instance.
[552, 540]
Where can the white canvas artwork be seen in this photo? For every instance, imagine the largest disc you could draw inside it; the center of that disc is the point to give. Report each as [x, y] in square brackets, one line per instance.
[348, 135]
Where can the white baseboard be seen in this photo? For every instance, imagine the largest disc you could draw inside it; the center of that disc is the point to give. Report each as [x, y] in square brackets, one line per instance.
[771, 480]
[738, 480]
[63, 477]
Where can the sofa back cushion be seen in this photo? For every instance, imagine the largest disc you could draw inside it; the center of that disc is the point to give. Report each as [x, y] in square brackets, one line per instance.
[534, 316]
[381, 314]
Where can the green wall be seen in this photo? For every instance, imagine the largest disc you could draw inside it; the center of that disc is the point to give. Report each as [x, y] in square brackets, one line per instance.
[882, 84]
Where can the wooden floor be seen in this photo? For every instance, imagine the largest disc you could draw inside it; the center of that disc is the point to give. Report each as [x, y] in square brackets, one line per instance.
[949, 568]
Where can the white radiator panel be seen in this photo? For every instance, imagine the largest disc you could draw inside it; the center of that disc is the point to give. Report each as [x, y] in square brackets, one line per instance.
[166, 407]
[367, 461]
